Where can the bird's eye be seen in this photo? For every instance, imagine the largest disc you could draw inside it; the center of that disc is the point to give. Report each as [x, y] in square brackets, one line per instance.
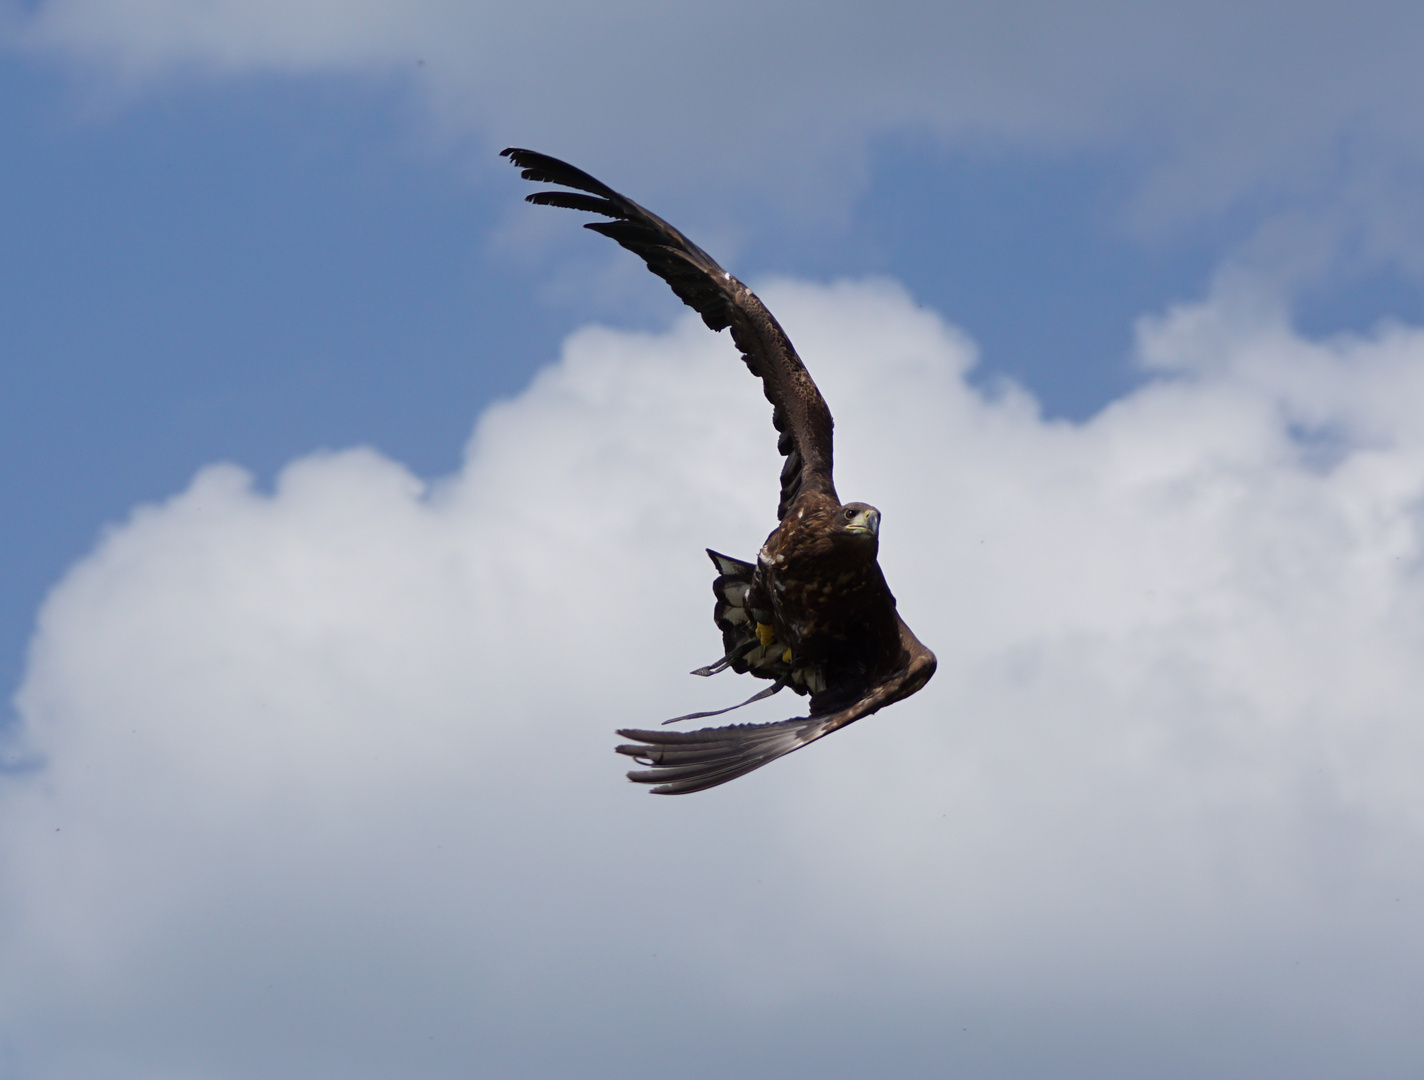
[850, 515]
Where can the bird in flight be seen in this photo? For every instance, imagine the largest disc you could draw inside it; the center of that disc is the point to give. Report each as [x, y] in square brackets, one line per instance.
[813, 613]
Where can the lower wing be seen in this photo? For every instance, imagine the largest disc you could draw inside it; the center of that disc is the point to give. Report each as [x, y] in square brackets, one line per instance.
[679, 762]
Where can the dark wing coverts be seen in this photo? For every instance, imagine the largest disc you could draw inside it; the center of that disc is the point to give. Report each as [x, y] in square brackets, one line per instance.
[799, 413]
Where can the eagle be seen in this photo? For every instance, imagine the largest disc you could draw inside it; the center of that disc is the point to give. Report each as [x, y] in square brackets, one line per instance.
[813, 613]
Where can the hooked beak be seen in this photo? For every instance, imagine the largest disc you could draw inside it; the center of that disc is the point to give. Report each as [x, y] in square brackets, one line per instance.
[868, 524]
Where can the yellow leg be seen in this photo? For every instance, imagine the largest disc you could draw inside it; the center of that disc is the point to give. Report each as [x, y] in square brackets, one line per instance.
[765, 634]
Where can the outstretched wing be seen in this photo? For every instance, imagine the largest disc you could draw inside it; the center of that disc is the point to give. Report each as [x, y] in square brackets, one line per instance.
[798, 410]
[684, 761]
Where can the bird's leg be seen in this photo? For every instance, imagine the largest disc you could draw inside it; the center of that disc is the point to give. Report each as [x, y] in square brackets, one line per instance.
[766, 634]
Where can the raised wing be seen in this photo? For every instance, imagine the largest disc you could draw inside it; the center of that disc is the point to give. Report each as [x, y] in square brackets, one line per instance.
[799, 413]
[684, 761]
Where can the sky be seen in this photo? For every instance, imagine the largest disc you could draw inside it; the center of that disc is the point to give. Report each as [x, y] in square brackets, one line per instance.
[350, 504]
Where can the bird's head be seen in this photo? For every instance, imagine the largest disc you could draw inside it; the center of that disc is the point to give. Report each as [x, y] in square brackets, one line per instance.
[860, 520]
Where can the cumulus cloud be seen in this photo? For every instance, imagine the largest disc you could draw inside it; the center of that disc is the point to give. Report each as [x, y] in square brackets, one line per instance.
[1297, 109]
[324, 778]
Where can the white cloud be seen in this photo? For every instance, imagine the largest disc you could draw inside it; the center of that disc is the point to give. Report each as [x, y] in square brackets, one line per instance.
[1304, 110]
[328, 784]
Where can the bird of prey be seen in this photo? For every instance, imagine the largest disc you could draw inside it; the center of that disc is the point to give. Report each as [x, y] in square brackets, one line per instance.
[813, 613]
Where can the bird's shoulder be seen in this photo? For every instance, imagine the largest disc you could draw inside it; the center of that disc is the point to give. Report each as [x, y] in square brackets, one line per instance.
[809, 520]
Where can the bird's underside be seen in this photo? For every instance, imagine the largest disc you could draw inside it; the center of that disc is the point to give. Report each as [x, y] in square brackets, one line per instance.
[813, 612]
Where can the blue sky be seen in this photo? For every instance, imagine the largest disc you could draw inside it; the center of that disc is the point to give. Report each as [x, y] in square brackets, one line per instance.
[1138, 294]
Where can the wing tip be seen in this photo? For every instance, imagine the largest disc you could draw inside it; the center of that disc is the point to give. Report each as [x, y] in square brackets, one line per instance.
[681, 762]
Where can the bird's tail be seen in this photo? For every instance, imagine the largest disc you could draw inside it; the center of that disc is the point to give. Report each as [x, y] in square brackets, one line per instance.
[749, 643]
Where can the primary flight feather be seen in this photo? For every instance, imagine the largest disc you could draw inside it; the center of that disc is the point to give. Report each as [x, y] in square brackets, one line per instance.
[813, 613]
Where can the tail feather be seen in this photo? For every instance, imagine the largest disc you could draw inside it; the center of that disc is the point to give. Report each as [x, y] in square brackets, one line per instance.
[742, 649]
